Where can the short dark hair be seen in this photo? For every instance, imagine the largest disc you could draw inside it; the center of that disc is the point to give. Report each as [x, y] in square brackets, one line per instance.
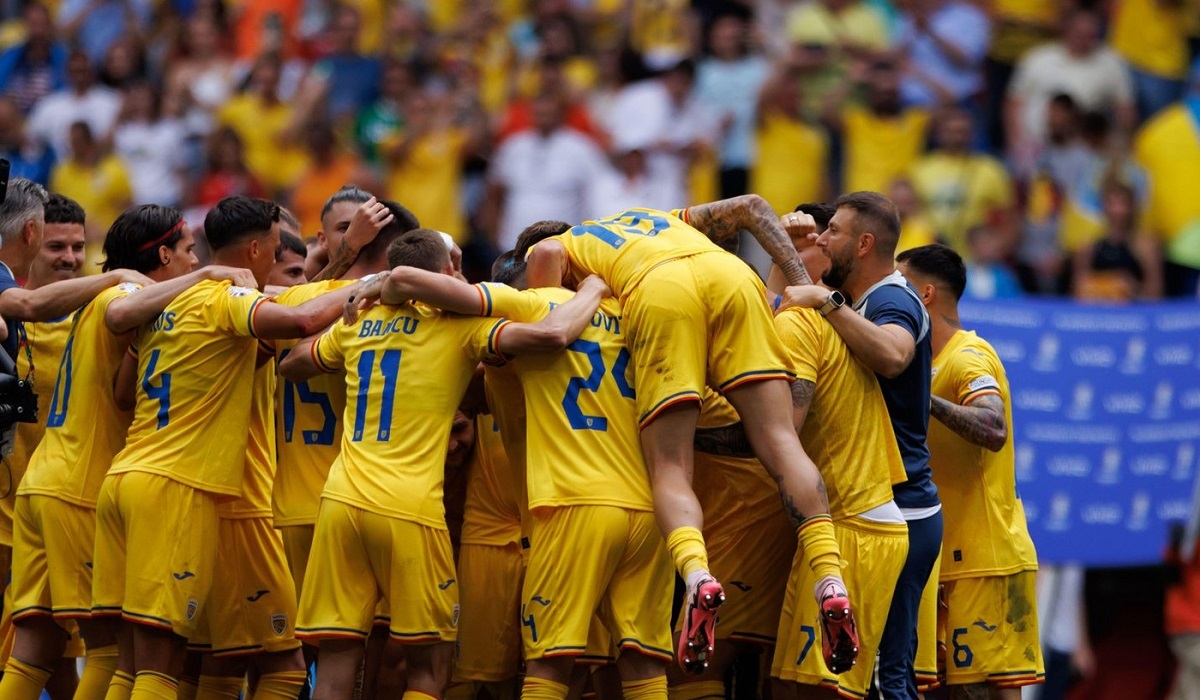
[61, 209]
[877, 213]
[536, 233]
[289, 242]
[505, 259]
[511, 274]
[938, 262]
[346, 193]
[237, 218]
[821, 212]
[287, 217]
[422, 248]
[402, 222]
[133, 240]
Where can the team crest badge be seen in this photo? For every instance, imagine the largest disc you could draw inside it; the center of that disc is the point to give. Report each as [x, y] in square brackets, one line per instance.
[193, 605]
[237, 292]
[454, 618]
[278, 624]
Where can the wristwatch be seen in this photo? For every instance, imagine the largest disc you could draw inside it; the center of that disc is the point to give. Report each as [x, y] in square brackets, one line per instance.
[835, 301]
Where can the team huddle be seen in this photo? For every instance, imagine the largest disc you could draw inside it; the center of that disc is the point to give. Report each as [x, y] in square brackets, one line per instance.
[439, 489]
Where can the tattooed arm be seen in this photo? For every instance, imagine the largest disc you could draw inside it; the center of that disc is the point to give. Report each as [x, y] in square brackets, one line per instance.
[725, 441]
[802, 393]
[980, 422]
[366, 223]
[725, 218]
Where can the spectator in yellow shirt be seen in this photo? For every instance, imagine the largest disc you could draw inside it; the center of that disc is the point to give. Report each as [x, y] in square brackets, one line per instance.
[961, 189]
[267, 127]
[1152, 37]
[98, 182]
[793, 157]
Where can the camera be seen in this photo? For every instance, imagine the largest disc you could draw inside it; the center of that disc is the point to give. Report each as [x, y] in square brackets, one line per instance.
[18, 403]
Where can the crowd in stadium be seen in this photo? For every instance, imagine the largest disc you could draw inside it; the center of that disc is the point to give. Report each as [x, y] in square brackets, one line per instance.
[221, 469]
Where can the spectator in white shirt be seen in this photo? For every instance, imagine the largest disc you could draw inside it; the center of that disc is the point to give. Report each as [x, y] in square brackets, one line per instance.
[151, 145]
[81, 101]
[629, 183]
[539, 174]
[1080, 66]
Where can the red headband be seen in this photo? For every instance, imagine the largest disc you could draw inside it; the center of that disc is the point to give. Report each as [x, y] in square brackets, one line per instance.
[150, 245]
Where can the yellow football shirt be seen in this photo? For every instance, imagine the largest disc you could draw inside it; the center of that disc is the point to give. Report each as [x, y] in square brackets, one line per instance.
[582, 442]
[734, 492]
[960, 192]
[276, 163]
[84, 428]
[195, 389]
[782, 143]
[881, 149]
[429, 180]
[506, 401]
[986, 532]
[258, 469]
[1151, 36]
[847, 431]
[622, 248]
[308, 425]
[491, 515]
[407, 368]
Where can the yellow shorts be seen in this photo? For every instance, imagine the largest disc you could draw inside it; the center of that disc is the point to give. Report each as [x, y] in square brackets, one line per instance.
[596, 559]
[358, 558]
[252, 604]
[879, 551]
[993, 631]
[297, 543]
[156, 546]
[925, 666]
[699, 320]
[489, 588]
[52, 558]
[754, 564]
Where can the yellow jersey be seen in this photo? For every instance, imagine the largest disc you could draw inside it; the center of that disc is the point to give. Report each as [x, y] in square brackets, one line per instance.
[308, 425]
[258, 469]
[84, 428]
[195, 389]
[783, 142]
[622, 248]
[491, 514]
[429, 180]
[506, 401]
[276, 163]
[960, 192]
[986, 533]
[583, 446]
[881, 149]
[734, 492]
[407, 368]
[847, 431]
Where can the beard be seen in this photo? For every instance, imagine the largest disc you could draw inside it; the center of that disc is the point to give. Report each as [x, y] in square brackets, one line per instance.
[839, 269]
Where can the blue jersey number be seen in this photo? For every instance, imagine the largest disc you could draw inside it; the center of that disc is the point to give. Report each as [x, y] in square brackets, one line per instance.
[62, 389]
[613, 231]
[389, 367]
[294, 390]
[963, 656]
[570, 403]
[808, 643]
[162, 392]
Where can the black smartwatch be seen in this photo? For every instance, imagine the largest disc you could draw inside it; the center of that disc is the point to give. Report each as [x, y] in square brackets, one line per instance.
[835, 301]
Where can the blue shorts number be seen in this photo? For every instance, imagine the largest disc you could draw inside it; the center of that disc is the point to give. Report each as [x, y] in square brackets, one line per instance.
[963, 656]
[808, 643]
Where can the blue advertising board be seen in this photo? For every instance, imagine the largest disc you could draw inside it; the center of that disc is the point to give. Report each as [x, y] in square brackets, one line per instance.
[1106, 413]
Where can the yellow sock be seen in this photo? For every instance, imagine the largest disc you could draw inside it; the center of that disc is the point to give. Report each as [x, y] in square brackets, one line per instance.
[686, 545]
[152, 685]
[648, 689]
[541, 689]
[97, 673]
[219, 688]
[283, 685]
[121, 686]
[819, 545]
[188, 687]
[23, 681]
[417, 695]
[700, 690]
